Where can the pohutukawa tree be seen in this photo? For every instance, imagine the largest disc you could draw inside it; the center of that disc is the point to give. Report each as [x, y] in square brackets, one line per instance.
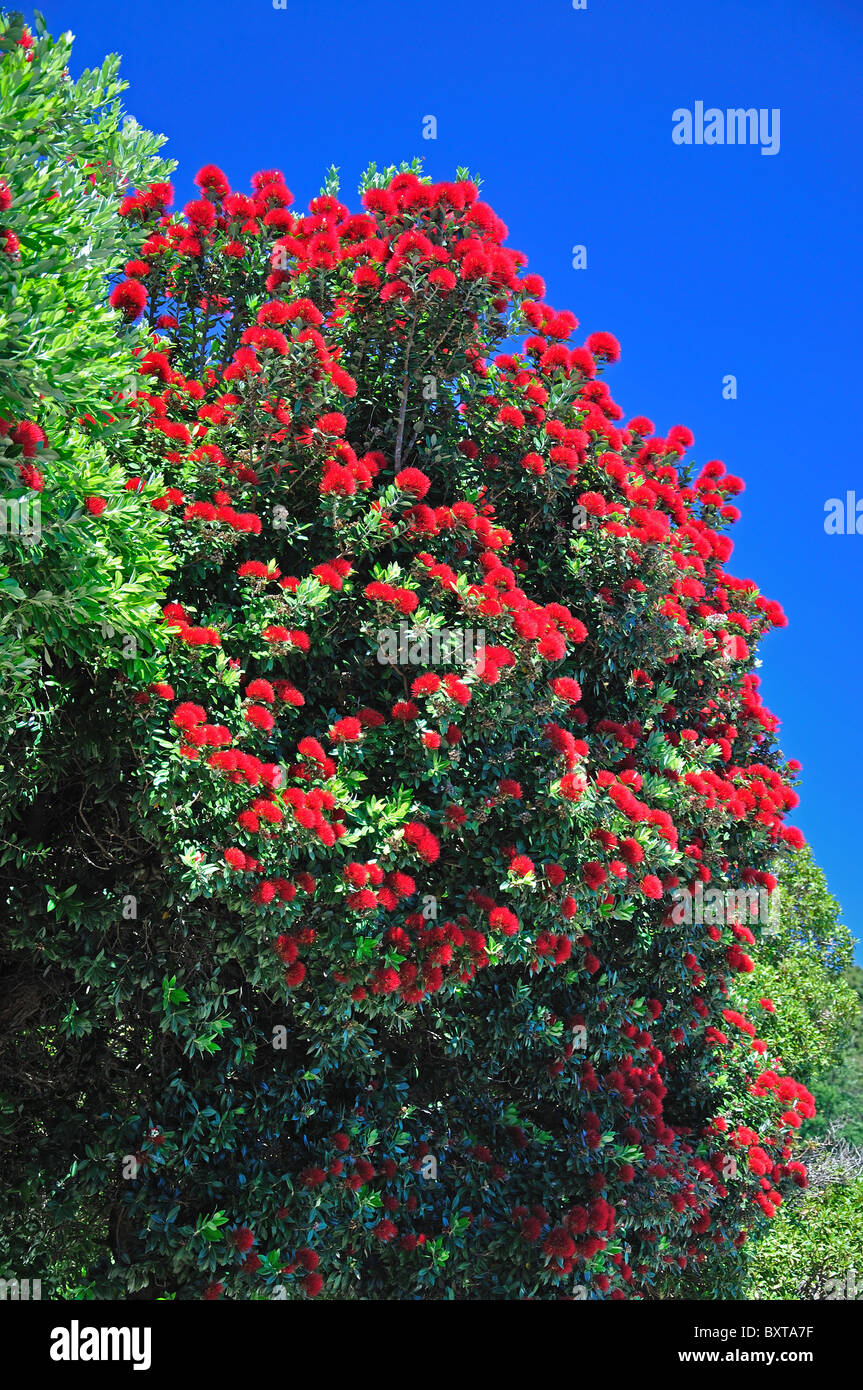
[381, 974]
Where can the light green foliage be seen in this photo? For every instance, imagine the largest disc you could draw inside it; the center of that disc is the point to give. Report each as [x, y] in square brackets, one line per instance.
[814, 1248]
[65, 362]
[801, 967]
[839, 1092]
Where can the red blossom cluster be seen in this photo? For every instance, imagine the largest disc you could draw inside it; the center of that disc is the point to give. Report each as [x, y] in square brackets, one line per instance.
[640, 756]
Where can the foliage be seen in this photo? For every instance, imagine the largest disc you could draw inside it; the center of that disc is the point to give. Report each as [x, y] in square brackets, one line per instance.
[814, 1249]
[800, 969]
[66, 580]
[342, 968]
[839, 1092]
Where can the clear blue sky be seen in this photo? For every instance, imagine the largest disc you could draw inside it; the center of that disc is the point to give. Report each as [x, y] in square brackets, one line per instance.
[703, 260]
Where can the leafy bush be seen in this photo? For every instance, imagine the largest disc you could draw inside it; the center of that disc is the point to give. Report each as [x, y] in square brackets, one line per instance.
[839, 1092]
[800, 971]
[67, 154]
[354, 969]
[814, 1249]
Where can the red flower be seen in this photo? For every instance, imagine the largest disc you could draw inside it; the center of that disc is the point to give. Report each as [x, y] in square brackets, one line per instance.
[385, 1230]
[260, 717]
[604, 345]
[414, 481]
[260, 690]
[443, 279]
[305, 310]
[423, 841]
[508, 787]
[593, 874]
[346, 730]
[28, 436]
[331, 423]
[201, 214]
[504, 920]
[567, 689]
[130, 296]
[212, 180]
[425, 685]
[405, 711]
[241, 1238]
[187, 715]
[558, 1245]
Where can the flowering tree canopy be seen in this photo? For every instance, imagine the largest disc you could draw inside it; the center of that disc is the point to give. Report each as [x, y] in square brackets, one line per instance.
[371, 975]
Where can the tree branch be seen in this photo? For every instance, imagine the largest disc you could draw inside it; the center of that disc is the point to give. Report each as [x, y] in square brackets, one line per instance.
[405, 386]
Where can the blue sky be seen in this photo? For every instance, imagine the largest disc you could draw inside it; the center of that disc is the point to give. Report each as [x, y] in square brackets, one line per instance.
[704, 260]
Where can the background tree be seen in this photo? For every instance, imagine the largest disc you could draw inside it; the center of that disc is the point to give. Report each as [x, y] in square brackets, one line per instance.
[814, 1250]
[67, 154]
[802, 969]
[839, 1091]
[81, 570]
